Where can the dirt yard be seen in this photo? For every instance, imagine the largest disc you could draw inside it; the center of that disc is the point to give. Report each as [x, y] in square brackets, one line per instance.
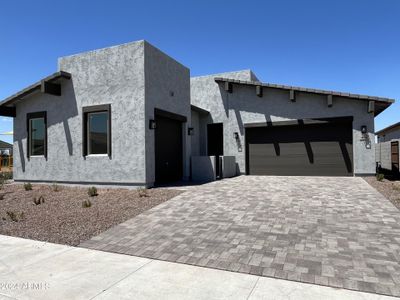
[63, 219]
[388, 188]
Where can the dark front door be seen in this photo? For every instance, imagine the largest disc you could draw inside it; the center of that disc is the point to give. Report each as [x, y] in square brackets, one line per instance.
[312, 149]
[215, 144]
[168, 150]
[215, 141]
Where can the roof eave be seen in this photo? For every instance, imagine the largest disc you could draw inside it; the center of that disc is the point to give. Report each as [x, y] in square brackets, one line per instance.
[388, 128]
[35, 87]
[303, 89]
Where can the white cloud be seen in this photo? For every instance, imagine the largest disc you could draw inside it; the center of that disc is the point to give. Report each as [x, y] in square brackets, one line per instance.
[3, 119]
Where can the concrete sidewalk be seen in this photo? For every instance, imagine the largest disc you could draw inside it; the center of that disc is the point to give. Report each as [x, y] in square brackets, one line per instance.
[37, 270]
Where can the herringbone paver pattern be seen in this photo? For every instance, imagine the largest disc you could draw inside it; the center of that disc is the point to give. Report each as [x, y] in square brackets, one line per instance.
[338, 232]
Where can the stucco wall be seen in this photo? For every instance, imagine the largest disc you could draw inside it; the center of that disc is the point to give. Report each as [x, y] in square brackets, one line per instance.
[228, 166]
[203, 168]
[112, 75]
[243, 106]
[168, 88]
[204, 93]
[199, 124]
[195, 138]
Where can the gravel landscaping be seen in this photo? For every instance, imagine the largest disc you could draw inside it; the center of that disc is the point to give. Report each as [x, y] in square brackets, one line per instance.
[63, 219]
[388, 188]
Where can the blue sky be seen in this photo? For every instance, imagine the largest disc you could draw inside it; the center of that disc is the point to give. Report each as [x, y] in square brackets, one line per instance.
[339, 45]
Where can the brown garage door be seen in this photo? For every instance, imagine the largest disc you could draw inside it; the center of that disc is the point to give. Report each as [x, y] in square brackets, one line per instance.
[323, 149]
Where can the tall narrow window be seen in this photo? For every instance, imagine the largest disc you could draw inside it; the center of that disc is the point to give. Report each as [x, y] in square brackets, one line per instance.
[97, 133]
[37, 134]
[97, 130]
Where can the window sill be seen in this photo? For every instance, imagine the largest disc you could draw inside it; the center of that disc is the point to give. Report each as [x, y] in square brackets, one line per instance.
[36, 156]
[97, 155]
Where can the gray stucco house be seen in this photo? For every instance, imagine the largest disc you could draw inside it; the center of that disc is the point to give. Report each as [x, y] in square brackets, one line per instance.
[131, 115]
[5, 148]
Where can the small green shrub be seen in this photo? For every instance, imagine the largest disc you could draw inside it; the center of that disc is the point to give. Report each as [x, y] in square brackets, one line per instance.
[86, 203]
[55, 187]
[380, 176]
[38, 201]
[92, 191]
[15, 216]
[28, 186]
[143, 192]
[6, 176]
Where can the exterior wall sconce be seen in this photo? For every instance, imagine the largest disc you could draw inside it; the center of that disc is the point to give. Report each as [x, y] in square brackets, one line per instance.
[363, 129]
[190, 131]
[365, 137]
[238, 143]
[152, 124]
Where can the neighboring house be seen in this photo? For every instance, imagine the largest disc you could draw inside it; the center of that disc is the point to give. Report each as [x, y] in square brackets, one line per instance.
[387, 149]
[131, 115]
[5, 148]
[389, 133]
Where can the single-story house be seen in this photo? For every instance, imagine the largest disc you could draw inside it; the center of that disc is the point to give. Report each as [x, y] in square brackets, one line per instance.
[387, 150]
[132, 115]
[388, 133]
[5, 148]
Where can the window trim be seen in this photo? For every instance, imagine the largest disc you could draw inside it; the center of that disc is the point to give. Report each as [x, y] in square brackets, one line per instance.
[85, 134]
[29, 117]
[89, 148]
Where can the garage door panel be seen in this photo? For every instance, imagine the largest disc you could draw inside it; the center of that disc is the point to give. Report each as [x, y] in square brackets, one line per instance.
[324, 150]
[301, 172]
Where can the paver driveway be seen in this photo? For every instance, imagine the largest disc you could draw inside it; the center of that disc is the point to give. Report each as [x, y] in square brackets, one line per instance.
[332, 231]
